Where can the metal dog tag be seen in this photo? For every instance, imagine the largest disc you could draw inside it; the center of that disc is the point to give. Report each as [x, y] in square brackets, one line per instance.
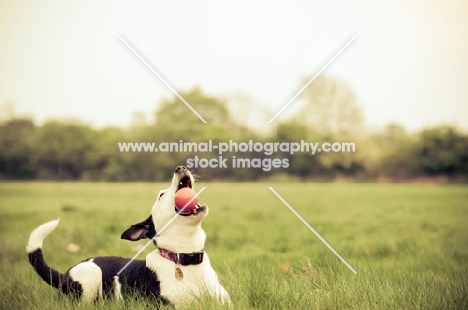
[178, 274]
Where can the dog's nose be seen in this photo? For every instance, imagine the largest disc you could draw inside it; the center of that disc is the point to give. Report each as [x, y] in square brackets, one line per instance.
[180, 169]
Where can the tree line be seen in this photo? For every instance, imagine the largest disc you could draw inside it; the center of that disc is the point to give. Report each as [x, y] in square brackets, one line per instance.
[68, 150]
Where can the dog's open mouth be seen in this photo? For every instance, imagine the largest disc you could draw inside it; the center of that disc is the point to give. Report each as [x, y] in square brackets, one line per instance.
[187, 182]
[184, 182]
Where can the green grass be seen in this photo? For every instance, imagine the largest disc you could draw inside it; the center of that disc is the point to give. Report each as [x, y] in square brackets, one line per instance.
[408, 242]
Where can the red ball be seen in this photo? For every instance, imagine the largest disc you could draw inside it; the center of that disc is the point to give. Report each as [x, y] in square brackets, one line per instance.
[183, 196]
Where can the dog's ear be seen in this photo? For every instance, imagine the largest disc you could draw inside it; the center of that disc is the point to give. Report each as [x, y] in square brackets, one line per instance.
[140, 230]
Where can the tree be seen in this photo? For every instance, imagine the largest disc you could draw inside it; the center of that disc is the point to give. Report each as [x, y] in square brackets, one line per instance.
[174, 112]
[444, 151]
[329, 106]
[61, 150]
[16, 149]
[303, 165]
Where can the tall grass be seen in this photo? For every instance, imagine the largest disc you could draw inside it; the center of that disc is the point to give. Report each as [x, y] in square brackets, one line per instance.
[409, 243]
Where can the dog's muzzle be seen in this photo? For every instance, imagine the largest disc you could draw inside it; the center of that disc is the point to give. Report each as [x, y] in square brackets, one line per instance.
[185, 177]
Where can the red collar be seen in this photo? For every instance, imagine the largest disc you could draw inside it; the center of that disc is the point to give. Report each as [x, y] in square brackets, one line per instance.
[183, 259]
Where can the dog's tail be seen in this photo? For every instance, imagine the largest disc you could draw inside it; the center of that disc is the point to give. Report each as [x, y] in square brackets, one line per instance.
[36, 258]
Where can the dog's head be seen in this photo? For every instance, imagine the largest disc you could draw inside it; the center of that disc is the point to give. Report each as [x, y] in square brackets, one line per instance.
[178, 231]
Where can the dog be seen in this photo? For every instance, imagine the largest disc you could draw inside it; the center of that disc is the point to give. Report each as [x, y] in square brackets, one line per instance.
[178, 271]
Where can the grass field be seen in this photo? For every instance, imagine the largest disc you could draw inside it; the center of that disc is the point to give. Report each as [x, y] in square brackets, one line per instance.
[408, 242]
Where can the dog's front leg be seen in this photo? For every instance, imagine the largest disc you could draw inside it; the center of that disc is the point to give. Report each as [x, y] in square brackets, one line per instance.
[223, 296]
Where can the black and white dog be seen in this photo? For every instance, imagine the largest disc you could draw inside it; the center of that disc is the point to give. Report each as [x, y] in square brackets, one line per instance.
[176, 272]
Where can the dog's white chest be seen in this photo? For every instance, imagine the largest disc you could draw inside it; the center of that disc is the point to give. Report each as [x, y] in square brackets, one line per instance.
[198, 280]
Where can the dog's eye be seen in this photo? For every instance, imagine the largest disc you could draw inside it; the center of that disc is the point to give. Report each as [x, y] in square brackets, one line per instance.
[161, 193]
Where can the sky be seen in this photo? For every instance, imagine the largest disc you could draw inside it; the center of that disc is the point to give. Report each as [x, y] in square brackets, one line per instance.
[407, 65]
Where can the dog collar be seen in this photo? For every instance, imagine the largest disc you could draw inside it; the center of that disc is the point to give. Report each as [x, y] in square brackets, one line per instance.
[183, 259]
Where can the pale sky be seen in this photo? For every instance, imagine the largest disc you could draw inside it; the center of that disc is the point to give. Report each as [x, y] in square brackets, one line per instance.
[408, 64]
